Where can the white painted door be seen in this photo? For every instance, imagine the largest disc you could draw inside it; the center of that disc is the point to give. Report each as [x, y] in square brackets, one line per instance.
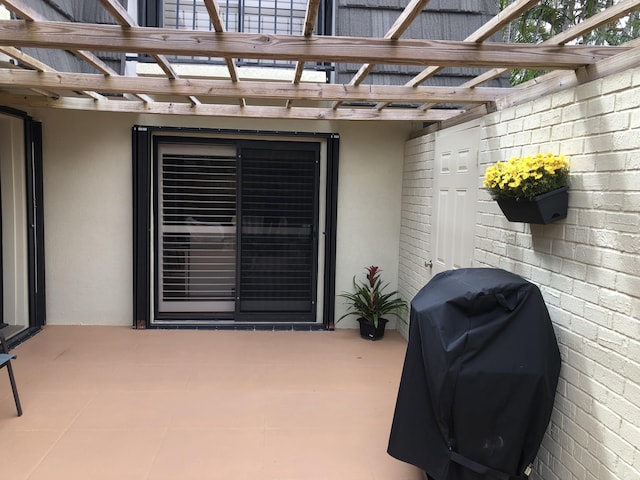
[455, 192]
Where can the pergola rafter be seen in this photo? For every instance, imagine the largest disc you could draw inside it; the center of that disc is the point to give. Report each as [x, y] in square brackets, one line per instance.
[409, 14]
[310, 17]
[118, 12]
[218, 26]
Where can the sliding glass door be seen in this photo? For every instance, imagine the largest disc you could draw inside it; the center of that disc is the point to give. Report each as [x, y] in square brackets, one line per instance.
[236, 226]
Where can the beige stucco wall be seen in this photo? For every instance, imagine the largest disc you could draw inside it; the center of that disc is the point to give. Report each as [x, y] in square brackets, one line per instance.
[88, 219]
[88, 209]
[369, 201]
[587, 266]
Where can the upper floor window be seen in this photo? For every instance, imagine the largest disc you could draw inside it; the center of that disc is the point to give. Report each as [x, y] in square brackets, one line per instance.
[249, 16]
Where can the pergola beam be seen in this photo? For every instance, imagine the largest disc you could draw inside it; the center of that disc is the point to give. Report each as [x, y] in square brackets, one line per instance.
[217, 110]
[260, 90]
[74, 36]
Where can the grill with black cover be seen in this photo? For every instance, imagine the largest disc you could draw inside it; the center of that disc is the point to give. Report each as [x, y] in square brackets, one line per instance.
[479, 378]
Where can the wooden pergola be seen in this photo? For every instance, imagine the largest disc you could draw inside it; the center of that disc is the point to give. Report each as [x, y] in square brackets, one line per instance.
[27, 82]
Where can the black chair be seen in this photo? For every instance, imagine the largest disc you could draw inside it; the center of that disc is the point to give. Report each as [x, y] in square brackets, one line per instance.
[5, 361]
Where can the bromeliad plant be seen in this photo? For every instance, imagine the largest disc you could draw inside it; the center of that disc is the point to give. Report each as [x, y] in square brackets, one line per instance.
[523, 178]
[369, 301]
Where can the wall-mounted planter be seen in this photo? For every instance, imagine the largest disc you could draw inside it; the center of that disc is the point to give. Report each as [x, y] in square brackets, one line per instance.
[543, 209]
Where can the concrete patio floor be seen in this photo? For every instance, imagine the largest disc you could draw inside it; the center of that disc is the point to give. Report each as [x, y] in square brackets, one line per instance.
[116, 403]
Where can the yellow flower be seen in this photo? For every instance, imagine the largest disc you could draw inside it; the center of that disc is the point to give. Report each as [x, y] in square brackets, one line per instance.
[526, 177]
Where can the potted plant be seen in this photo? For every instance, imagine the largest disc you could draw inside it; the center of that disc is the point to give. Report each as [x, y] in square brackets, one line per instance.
[370, 303]
[531, 189]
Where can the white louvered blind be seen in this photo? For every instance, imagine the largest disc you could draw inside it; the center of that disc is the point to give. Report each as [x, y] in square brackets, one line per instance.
[197, 231]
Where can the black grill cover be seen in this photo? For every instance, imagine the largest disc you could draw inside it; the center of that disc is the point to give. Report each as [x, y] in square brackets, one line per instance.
[479, 377]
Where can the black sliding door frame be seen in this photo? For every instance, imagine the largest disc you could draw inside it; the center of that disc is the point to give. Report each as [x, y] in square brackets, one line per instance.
[35, 223]
[145, 314]
[33, 165]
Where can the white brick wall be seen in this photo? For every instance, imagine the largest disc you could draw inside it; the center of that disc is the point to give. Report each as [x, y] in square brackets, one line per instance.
[415, 229]
[587, 266]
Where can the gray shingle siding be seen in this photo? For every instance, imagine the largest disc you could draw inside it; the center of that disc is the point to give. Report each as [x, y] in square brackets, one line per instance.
[467, 6]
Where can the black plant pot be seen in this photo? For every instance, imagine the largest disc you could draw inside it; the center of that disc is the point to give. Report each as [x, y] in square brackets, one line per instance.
[369, 331]
[543, 209]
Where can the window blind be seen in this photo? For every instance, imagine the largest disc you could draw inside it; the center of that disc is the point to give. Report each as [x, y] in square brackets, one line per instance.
[279, 191]
[197, 250]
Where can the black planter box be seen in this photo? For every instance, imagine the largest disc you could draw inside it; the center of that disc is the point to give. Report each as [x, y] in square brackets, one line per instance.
[543, 209]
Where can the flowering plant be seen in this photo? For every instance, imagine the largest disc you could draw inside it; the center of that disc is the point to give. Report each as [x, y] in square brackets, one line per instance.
[369, 301]
[523, 178]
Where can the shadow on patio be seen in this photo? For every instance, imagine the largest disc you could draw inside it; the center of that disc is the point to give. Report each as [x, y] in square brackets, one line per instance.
[116, 403]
